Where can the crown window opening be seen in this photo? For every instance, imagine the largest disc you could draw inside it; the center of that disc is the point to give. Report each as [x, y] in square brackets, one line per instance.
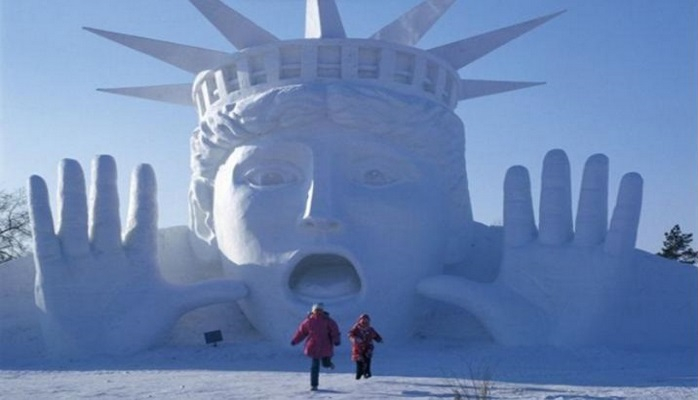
[290, 62]
[404, 68]
[329, 63]
[211, 88]
[258, 73]
[369, 62]
[230, 77]
[432, 74]
[290, 72]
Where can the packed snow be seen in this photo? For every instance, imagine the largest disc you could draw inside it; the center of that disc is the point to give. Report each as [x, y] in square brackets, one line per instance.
[422, 369]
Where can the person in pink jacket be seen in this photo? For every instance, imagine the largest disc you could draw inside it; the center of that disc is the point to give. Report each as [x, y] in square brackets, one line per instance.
[321, 334]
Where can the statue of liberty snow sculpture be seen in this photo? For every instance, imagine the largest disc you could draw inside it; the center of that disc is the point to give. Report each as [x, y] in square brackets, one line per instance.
[332, 169]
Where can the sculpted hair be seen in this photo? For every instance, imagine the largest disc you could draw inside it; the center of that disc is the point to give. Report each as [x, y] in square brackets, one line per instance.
[426, 128]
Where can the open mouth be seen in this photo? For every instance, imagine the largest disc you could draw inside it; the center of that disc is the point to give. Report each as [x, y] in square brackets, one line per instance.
[324, 277]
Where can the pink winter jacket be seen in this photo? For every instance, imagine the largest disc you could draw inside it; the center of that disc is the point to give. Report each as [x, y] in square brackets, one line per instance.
[322, 335]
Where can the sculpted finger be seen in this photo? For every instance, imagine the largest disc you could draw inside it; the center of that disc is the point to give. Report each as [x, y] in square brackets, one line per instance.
[519, 223]
[105, 224]
[141, 225]
[46, 246]
[592, 211]
[209, 292]
[72, 208]
[555, 212]
[622, 233]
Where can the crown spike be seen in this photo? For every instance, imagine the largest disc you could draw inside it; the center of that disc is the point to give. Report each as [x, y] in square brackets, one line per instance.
[322, 20]
[178, 93]
[412, 25]
[471, 88]
[188, 58]
[387, 59]
[235, 27]
[464, 52]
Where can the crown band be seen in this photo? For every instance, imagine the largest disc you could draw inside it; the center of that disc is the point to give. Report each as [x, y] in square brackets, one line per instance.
[253, 70]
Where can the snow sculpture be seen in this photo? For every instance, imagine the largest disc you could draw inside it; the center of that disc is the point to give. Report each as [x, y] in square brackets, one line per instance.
[541, 295]
[333, 169]
[83, 282]
[304, 202]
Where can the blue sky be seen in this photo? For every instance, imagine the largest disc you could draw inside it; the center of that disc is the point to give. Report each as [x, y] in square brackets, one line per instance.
[622, 79]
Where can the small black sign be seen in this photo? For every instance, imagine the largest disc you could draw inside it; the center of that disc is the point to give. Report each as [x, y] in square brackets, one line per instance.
[213, 337]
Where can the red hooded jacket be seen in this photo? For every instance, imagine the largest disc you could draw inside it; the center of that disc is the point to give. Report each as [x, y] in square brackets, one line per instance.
[362, 337]
[322, 335]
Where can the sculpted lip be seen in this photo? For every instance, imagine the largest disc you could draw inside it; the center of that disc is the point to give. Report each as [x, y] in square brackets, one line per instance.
[324, 277]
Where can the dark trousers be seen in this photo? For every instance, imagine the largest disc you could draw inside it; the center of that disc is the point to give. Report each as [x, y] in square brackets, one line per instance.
[315, 369]
[363, 368]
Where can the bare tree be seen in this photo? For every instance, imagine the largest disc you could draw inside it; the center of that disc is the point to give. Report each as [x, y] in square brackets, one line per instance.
[14, 225]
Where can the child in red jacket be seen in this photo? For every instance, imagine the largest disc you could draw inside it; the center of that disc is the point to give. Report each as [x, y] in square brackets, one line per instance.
[321, 334]
[362, 336]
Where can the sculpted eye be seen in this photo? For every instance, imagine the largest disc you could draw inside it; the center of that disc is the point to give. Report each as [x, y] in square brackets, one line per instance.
[374, 174]
[272, 176]
[378, 172]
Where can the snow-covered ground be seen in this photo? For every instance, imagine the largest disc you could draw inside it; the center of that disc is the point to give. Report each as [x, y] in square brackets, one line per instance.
[420, 370]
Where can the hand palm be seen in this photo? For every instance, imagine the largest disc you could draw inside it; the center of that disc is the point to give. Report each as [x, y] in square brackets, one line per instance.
[554, 283]
[99, 293]
[95, 305]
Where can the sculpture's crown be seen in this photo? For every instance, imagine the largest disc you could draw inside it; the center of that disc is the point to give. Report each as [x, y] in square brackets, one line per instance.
[370, 62]
[385, 59]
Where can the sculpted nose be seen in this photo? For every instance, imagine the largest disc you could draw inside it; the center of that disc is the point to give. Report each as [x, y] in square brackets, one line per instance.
[318, 212]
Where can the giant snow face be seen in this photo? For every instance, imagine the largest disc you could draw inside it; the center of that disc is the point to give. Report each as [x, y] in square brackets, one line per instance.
[324, 213]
